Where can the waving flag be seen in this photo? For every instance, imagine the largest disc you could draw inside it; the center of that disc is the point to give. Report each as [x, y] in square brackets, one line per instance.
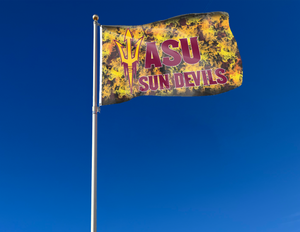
[188, 55]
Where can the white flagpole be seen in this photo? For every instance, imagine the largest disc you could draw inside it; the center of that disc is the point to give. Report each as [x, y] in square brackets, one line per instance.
[94, 130]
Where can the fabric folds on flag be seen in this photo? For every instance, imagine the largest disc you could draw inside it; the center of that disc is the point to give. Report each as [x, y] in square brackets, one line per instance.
[188, 55]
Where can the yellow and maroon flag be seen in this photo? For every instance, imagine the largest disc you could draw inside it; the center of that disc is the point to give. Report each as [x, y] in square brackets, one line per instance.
[188, 55]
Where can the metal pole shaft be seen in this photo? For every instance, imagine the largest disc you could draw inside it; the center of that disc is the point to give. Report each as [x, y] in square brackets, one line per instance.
[94, 131]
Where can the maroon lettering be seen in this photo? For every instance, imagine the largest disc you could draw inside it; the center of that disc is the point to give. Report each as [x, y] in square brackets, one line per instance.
[218, 74]
[204, 77]
[197, 78]
[153, 82]
[186, 51]
[142, 82]
[152, 57]
[210, 77]
[175, 55]
[187, 79]
[178, 84]
[164, 82]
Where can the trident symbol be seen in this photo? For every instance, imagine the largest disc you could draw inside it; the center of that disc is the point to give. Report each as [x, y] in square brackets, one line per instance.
[130, 62]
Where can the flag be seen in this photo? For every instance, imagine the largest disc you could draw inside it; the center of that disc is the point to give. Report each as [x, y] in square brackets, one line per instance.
[187, 55]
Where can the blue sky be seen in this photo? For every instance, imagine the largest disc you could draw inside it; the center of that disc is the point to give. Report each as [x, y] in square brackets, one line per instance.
[220, 163]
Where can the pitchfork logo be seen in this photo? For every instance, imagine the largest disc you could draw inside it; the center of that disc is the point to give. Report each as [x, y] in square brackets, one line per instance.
[130, 62]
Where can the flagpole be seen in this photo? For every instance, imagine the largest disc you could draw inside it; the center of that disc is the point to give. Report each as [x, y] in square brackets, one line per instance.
[94, 130]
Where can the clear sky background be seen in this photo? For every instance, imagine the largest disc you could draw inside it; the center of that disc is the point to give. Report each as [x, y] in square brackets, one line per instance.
[223, 163]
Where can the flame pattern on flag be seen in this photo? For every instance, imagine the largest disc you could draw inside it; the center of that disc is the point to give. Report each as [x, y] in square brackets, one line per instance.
[218, 49]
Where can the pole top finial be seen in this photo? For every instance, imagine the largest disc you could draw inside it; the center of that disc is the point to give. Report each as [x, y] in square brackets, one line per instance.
[95, 17]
